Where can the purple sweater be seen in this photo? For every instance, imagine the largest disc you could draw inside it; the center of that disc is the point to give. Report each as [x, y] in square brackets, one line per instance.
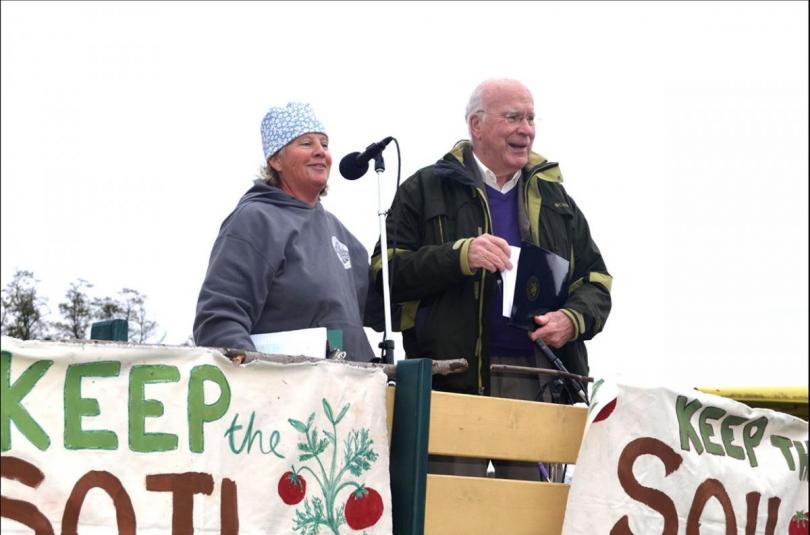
[505, 340]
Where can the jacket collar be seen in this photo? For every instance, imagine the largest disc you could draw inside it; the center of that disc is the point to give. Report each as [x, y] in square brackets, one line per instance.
[459, 164]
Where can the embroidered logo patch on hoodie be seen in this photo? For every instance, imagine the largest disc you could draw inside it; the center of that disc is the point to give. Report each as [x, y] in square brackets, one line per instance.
[342, 253]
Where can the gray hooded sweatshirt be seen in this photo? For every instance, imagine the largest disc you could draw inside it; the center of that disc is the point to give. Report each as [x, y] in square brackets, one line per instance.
[279, 265]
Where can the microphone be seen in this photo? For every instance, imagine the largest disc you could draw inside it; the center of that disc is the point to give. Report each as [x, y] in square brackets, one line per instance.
[355, 165]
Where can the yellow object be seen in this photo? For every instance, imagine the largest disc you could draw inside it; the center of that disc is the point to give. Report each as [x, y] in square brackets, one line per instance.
[788, 399]
[485, 427]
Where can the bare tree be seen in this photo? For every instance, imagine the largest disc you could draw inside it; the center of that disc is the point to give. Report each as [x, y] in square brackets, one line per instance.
[77, 311]
[131, 301]
[23, 310]
[4, 316]
[134, 305]
[130, 306]
[106, 308]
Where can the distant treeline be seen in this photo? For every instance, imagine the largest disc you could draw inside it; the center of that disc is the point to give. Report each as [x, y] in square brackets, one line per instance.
[25, 314]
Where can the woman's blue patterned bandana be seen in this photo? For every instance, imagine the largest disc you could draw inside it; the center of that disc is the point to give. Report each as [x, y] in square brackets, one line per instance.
[282, 125]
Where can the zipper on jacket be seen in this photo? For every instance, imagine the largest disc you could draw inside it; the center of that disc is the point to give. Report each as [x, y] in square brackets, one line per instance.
[479, 349]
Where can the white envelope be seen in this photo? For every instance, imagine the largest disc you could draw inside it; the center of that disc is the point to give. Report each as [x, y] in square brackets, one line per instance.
[308, 342]
[509, 278]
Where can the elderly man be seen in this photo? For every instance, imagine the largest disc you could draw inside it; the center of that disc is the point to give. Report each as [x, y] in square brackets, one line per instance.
[452, 223]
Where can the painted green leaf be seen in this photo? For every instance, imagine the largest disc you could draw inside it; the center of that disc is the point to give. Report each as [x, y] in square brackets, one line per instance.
[308, 521]
[342, 413]
[359, 452]
[327, 409]
[299, 426]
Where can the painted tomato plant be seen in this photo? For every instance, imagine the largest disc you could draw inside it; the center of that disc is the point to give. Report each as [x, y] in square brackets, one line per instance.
[319, 453]
[292, 487]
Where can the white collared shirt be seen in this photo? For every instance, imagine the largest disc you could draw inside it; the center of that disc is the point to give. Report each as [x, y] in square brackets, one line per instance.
[492, 181]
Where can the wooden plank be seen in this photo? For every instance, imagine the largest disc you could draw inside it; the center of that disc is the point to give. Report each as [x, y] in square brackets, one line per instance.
[498, 428]
[472, 505]
[389, 407]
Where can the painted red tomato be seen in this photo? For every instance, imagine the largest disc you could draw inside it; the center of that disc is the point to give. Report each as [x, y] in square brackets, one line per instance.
[363, 508]
[291, 488]
[799, 523]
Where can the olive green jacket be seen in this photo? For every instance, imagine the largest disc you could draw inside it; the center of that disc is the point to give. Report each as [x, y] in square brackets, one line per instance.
[443, 305]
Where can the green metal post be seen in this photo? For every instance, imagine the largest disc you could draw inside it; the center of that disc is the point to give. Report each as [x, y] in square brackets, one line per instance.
[409, 445]
[110, 330]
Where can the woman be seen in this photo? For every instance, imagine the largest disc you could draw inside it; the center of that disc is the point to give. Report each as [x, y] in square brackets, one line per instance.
[281, 262]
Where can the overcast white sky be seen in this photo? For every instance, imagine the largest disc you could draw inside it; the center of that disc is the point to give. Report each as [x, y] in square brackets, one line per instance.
[130, 130]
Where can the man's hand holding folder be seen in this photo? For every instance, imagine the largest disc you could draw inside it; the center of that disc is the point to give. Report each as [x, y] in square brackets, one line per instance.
[489, 252]
[538, 288]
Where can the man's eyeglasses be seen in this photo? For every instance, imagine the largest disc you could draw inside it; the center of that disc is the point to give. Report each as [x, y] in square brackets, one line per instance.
[515, 118]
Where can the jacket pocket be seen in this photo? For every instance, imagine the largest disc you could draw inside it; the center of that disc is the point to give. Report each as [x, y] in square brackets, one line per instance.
[435, 218]
[556, 226]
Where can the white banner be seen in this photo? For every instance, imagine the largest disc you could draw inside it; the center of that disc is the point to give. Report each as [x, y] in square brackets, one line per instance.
[109, 438]
[658, 461]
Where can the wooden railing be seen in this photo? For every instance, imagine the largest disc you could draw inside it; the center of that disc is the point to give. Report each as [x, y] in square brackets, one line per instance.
[485, 428]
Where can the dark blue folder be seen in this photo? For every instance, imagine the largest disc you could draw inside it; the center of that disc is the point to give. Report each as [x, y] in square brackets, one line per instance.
[541, 285]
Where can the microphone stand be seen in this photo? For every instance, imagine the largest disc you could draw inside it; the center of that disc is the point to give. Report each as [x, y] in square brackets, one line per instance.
[387, 345]
[575, 384]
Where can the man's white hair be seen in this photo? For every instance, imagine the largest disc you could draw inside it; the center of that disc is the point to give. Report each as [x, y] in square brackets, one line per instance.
[476, 102]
